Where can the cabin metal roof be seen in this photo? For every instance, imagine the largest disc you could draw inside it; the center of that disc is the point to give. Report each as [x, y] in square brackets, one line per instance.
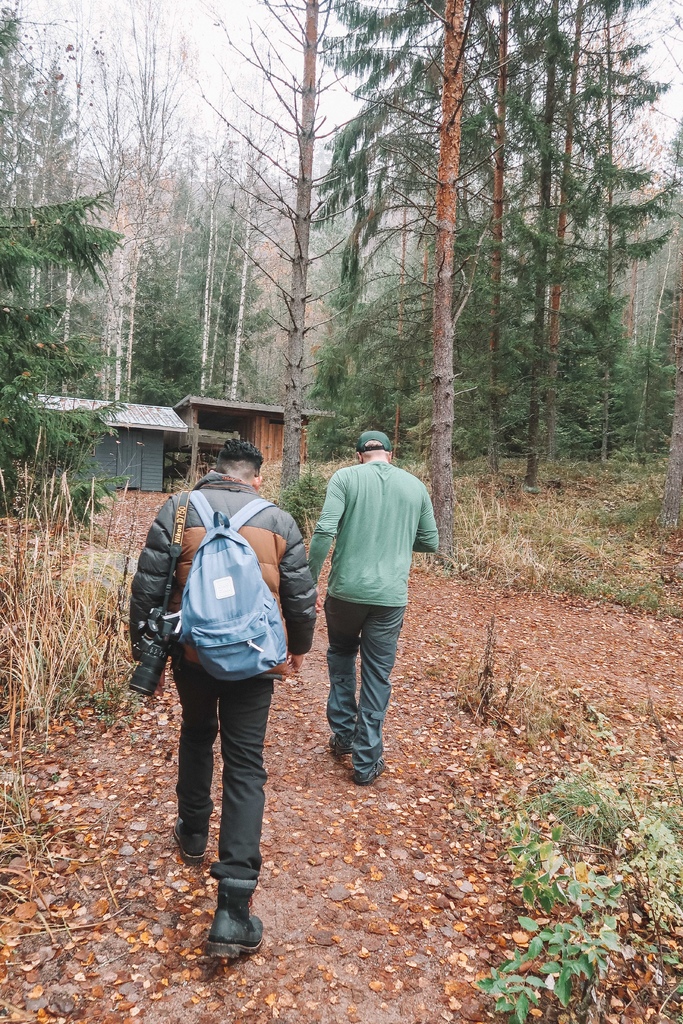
[237, 407]
[121, 414]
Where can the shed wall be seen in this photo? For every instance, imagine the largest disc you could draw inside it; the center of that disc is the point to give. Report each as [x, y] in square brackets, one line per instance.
[137, 455]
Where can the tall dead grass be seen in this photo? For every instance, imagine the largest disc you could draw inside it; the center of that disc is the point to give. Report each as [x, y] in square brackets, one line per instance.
[61, 613]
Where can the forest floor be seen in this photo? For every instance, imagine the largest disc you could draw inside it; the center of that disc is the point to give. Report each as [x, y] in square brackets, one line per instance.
[380, 905]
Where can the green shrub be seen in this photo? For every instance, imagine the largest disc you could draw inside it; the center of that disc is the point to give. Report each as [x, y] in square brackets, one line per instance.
[579, 948]
[304, 500]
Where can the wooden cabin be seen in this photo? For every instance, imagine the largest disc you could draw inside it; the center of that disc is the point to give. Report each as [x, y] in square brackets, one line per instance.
[211, 421]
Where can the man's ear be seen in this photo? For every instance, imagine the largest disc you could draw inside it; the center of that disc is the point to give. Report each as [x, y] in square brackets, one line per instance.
[359, 456]
[256, 482]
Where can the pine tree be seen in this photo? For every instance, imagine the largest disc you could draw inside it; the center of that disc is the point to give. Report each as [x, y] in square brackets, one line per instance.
[33, 356]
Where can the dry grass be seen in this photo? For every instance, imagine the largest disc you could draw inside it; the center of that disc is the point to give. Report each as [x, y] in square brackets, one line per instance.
[63, 643]
[590, 531]
[61, 616]
[509, 694]
[61, 622]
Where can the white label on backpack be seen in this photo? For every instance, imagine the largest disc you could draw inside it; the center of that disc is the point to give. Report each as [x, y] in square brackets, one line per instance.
[224, 587]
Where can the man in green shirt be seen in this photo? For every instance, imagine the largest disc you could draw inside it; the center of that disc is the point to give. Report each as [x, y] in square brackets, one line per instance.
[379, 514]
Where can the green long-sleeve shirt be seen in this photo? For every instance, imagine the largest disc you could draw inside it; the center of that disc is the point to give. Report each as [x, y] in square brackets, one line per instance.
[379, 514]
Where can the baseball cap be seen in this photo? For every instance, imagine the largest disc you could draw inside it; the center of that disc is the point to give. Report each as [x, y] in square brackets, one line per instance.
[366, 439]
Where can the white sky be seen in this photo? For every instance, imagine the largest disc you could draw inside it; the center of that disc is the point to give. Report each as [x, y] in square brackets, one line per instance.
[209, 50]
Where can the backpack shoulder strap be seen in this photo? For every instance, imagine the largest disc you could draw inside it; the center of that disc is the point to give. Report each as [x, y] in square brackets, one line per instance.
[237, 521]
[206, 513]
[248, 512]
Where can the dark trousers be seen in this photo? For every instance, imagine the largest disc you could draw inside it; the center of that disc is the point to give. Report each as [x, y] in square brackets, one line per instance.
[374, 631]
[241, 709]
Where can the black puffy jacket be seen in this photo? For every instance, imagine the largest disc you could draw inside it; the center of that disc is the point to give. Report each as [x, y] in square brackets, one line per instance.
[273, 535]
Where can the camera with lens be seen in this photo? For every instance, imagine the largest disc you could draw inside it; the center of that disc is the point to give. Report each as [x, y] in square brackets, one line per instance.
[161, 631]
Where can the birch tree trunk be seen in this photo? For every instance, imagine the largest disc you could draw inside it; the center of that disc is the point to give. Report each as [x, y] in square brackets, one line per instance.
[497, 231]
[132, 303]
[671, 504]
[68, 301]
[118, 337]
[219, 305]
[294, 357]
[240, 312]
[446, 201]
[208, 289]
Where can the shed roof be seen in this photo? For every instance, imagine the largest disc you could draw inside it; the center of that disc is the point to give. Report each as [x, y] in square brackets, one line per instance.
[227, 406]
[121, 414]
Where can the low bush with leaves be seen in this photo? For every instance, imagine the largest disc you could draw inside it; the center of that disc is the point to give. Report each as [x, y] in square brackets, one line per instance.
[642, 838]
[576, 949]
[645, 834]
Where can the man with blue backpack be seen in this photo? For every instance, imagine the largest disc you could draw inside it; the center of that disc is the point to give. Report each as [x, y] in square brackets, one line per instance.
[240, 563]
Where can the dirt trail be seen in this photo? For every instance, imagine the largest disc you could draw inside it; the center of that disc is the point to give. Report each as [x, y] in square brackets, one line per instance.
[380, 905]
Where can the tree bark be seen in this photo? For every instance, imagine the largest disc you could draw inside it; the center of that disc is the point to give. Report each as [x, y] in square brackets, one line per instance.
[446, 203]
[118, 336]
[208, 294]
[298, 297]
[132, 304]
[607, 355]
[219, 305]
[243, 301]
[541, 259]
[671, 504]
[497, 231]
[556, 288]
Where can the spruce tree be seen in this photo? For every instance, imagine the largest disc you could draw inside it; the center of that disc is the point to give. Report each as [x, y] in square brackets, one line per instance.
[33, 357]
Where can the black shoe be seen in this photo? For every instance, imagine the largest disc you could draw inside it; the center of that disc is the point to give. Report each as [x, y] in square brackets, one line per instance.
[375, 772]
[192, 844]
[234, 930]
[337, 749]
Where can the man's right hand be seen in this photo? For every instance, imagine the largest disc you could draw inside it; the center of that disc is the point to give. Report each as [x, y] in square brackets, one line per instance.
[294, 662]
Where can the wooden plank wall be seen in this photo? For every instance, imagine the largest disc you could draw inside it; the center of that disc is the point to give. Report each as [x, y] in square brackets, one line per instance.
[267, 436]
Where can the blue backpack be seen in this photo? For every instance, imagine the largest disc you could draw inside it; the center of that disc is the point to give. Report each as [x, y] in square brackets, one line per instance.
[228, 614]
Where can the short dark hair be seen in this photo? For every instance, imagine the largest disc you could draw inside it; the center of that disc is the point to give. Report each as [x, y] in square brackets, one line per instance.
[235, 453]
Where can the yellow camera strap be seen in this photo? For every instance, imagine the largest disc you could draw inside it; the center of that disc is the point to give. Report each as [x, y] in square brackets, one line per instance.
[176, 547]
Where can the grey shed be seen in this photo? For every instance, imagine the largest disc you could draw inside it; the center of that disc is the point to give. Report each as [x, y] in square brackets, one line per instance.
[135, 448]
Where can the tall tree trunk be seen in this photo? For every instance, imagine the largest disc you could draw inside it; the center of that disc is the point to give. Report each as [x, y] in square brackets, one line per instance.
[132, 305]
[630, 319]
[294, 357]
[607, 355]
[118, 334]
[446, 202]
[208, 292]
[556, 288]
[186, 223]
[541, 258]
[671, 504]
[219, 306]
[68, 301]
[497, 231]
[399, 330]
[243, 302]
